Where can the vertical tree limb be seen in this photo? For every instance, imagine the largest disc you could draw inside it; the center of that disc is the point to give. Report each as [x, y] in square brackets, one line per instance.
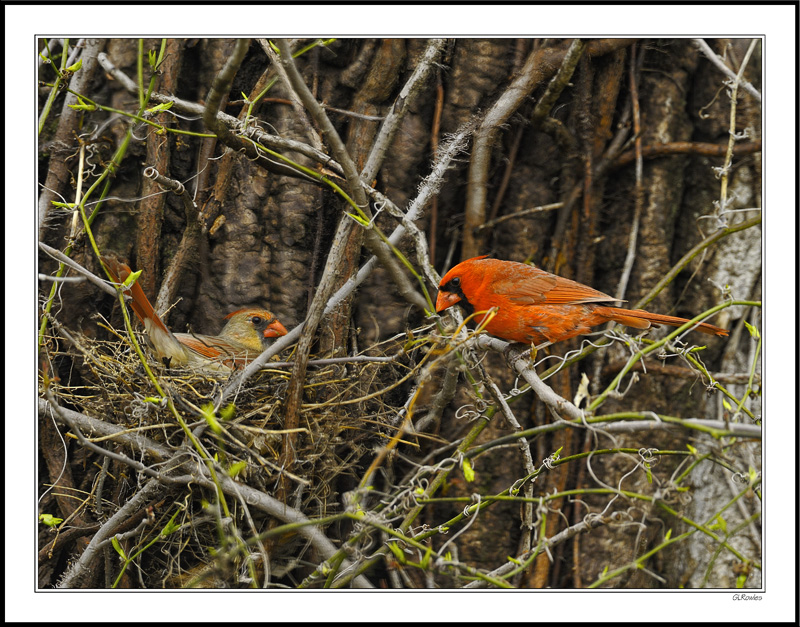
[151, 207]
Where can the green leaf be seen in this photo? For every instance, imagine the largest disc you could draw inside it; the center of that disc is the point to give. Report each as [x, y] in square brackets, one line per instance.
[236, 468]
[164, 106]
[227, 412]
[753, 331]
[426, 559]
[115, 543]
[210, 418]
[132, 278]
[726, 405]
[668, 535]
[469, 473]
[83, 105]
[50, 520]
[721, 524]
[398, 552]
[75, 66]
[692, 449]
[172, 526]
[318, 42]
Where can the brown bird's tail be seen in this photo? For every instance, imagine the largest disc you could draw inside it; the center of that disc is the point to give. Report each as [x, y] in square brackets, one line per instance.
[167, 346]
[140, 304]
[640, 319]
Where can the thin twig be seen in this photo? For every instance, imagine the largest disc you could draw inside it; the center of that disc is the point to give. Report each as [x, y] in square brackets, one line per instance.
[638, 188]
[520, 214]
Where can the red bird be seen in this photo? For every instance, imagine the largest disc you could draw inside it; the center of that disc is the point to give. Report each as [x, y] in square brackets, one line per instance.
[247, 333]
[536, 307]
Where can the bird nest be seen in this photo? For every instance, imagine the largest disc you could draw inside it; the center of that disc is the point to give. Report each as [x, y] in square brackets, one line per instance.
[347, 412]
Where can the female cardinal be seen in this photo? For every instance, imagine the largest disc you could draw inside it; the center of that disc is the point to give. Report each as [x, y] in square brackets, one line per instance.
[247, 333]
[536, 307]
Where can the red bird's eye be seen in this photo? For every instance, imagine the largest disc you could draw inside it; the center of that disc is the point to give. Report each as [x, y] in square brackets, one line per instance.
[456, 281]
[256, 320]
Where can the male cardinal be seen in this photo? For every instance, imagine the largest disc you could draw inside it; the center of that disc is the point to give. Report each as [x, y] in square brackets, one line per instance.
[536, 307]
[247, 333]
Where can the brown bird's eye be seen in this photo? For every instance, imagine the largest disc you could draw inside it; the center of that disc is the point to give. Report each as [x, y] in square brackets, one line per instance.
[256, 320]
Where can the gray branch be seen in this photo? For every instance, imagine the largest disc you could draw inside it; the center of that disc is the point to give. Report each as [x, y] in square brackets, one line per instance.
[59, 256]
[720, 64]
[408, 95]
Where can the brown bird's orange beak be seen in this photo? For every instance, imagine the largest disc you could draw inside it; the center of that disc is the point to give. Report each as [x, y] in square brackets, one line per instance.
[276, 329]
[445, 300]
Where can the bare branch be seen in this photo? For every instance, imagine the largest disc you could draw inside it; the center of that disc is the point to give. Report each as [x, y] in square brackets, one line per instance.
[220, 87]
[408, 95]
[720, 64]
[59, 256]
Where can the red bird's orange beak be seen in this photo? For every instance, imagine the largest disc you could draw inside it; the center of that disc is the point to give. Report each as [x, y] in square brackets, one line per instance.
[445, 300]
[276, 329]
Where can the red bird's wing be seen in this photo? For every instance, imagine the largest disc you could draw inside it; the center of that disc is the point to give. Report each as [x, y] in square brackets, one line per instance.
[533, 286]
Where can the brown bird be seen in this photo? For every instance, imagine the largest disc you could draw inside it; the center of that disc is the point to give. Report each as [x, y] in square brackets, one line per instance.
[247, 333]
[536, 307]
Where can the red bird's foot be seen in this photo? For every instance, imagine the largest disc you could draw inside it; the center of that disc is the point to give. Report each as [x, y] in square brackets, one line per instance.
[512, 352]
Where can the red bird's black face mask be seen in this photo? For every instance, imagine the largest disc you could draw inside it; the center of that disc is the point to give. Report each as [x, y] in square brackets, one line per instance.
[451, 293]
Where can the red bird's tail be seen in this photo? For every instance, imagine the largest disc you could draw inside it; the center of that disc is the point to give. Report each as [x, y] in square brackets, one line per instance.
[640, 319]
